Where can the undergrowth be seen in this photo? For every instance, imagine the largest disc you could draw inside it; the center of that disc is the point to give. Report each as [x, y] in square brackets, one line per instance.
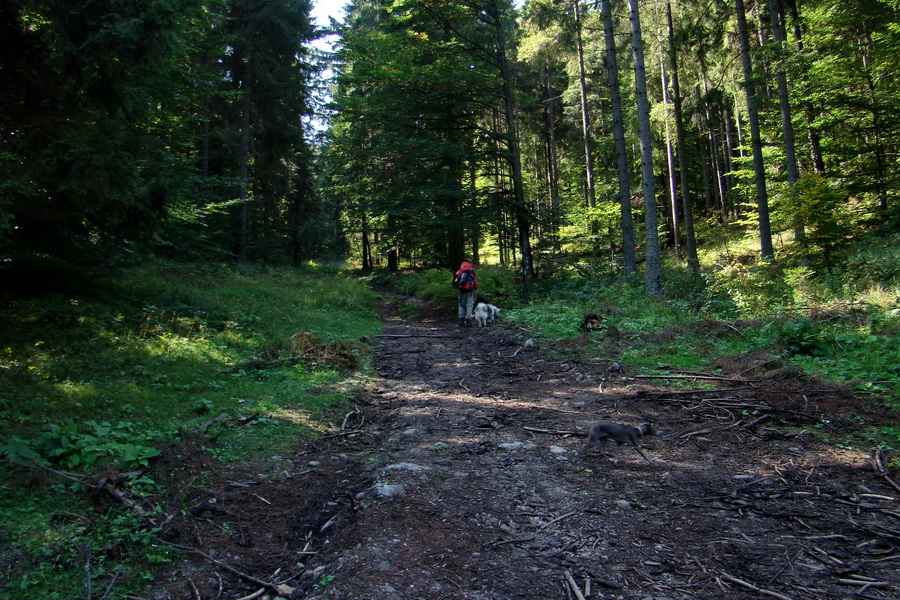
[435, 285]
[840, 326]
[96, 381]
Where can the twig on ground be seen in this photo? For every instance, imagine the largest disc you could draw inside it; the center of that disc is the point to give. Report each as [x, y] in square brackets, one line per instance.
[282, 590]
[551, 432]
[701, 377]
[412, 335]
[881, 470]
[221, 587]
[257, 594]
[560, 518]
[695, 392]
[513, 541]
[223, 417]
[347, 418]
[112, 583]
[194, 589]
[574, 586]
[753, 587]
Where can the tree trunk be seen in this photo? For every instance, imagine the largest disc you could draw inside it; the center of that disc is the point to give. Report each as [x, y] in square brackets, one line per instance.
[689, 238]
[552, 163]
[732, 142]
[674, 228]
[718, 171]
[523, 221]
[767, 251]
[585, 120]
[244, 162]
[473, 195]
[393, 252]
[629, 262]
[653, 265]
[790, 156]
[366, 247]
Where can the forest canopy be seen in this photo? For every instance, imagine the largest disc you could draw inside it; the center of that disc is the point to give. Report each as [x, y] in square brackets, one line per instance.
[602, 136]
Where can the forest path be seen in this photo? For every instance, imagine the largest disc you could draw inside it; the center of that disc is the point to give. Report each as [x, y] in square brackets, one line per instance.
[457, 479]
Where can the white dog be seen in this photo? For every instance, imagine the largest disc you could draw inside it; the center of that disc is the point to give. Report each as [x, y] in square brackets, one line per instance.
[486, 312]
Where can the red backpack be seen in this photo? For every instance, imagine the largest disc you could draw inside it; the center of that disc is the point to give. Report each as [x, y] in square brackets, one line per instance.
[465, 278]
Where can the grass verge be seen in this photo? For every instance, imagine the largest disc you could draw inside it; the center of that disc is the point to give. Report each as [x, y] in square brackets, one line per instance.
[95, 381]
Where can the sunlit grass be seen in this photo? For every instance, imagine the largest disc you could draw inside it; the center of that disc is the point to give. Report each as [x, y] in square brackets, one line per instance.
[150, 354]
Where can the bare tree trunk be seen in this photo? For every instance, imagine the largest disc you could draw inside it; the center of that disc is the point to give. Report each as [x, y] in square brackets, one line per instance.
[670, 163]
[767, 251]
[709, 193]
[553, 163]
[366, 247]
[585, 120]
[730, 145]
[718, 171]
[393, 252]
[653, 265]
[523, 221]
[244, 162]
[473, 194]
[629, 261]
[790, 156]
[690, 239]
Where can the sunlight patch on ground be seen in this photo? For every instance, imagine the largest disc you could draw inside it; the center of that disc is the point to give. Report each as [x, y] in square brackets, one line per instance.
[301, 418]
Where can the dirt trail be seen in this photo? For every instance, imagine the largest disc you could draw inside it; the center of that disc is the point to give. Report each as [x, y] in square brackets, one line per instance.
[457, 479]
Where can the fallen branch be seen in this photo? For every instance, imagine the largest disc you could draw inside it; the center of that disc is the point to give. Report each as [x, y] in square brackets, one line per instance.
[864, 583]
[412, 335]
[281, 590]
[698, 432]
[758, 421]
[565, 516]
[257, 594]
[104, 484]
[755, 588]
[881, 470]
[739, 423]
[697, 391]
[700, 377]
[213, 421]
[513, 541]
[347, 418]
[551, 432]
[574, 586]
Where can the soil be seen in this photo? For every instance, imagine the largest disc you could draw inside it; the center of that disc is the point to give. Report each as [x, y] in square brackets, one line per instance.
[458, 478]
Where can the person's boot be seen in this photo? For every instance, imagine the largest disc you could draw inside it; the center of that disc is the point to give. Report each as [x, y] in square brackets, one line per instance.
[462, 321]
[468, 322]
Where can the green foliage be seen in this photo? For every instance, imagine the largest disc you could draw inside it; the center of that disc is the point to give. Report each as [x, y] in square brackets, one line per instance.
[855, 343]
[98, 380]
[826, 213]
[54, 538]
[753, 288]
[874, 261]
[85, 447]
[432, 285]
[436, 285]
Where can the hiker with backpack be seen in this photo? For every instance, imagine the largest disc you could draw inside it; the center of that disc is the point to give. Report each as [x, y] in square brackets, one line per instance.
[465, 283]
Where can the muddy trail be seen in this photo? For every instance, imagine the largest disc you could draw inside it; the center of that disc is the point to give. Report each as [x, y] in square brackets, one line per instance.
[457, 478]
